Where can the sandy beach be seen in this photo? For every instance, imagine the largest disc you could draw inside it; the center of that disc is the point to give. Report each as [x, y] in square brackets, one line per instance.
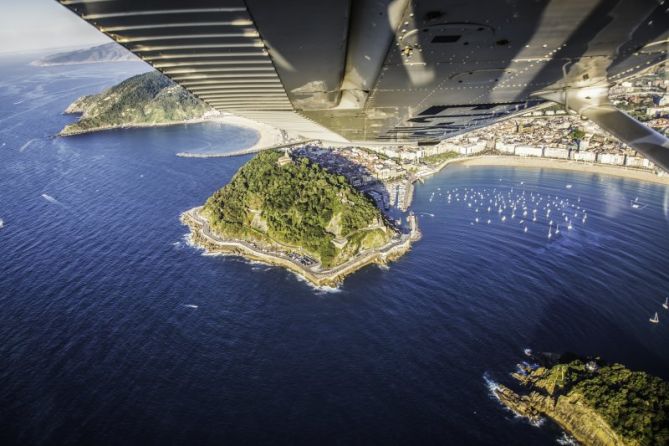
[550, 163]
[268, 136]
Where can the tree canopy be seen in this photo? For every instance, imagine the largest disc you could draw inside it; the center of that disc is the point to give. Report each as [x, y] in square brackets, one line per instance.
[149, 98]
[298, 204]
[635, 404]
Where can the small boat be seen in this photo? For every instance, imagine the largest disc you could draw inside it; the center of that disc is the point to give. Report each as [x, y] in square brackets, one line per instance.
[2, 223]
[665, 305]
[654, 319]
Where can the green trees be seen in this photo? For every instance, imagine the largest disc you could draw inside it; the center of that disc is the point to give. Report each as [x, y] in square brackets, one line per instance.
[635, 404]
[148, 98]
[439, 158]
[577, 136]
[302, 205]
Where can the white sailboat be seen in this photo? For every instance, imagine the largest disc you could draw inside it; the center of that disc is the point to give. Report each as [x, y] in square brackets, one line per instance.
[655, 319]
[666, 303]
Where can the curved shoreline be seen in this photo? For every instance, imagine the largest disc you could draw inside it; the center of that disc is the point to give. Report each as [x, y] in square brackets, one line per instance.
[212, 244]
[552, 163]
[267, 136]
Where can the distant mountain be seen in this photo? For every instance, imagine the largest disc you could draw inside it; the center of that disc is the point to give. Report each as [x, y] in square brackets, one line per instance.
[109, 52]
[144, 100]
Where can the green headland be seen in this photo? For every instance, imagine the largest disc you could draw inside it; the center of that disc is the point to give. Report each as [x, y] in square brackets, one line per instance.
[147, 99]
[596, 403]
[292, 212]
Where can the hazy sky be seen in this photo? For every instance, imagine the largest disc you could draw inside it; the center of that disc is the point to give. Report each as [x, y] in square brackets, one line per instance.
[27, 25]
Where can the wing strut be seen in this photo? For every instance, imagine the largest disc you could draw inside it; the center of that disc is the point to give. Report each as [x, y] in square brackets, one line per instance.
[594, 104]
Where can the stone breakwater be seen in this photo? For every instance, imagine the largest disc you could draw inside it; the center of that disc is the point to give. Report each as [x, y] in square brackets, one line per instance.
[202, 236]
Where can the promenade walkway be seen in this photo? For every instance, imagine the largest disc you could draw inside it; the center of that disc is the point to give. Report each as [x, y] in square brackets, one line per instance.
[313, 273]
[240, 152]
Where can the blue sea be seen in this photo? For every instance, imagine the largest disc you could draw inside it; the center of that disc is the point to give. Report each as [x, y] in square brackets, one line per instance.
[114, 330]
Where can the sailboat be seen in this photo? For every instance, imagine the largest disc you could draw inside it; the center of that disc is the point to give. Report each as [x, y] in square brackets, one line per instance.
[655, 319]
[666, 303]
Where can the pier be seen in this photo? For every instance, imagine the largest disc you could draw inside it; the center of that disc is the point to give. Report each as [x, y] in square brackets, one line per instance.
[242, 152]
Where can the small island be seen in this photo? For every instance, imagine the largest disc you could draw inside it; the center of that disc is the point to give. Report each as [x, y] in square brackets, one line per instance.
[596, 403]
[292, 213]
[148, 99]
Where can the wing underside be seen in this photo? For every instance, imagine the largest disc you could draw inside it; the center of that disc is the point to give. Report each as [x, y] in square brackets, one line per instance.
[389, 71]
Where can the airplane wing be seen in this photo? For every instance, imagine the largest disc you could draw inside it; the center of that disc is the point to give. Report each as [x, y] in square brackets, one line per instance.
[395, 71]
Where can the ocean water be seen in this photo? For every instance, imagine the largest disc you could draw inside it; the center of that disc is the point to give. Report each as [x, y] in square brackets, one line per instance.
[113, 330]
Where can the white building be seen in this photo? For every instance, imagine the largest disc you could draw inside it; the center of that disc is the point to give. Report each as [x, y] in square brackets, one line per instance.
[611, 158]
[588, 157]
[529, 151]
[505, 147]
[634, 161]
[554, 152]
[471, 149]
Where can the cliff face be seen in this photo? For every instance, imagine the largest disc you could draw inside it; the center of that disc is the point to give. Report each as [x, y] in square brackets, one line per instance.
[570, 412]
[145, 99]
[604, 406]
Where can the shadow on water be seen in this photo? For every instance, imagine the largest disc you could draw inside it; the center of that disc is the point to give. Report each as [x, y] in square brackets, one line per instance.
[590, 334]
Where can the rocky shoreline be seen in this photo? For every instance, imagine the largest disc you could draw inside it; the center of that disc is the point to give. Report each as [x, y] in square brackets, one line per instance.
[595, 403]
[201, 236]
[570, 412]
[65, 132]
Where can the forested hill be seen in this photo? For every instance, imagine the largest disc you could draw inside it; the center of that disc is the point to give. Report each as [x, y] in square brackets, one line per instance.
[298, 204]
[598, 404]
[142, 100]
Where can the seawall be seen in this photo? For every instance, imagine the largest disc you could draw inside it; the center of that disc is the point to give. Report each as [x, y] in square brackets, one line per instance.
[201, 236]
